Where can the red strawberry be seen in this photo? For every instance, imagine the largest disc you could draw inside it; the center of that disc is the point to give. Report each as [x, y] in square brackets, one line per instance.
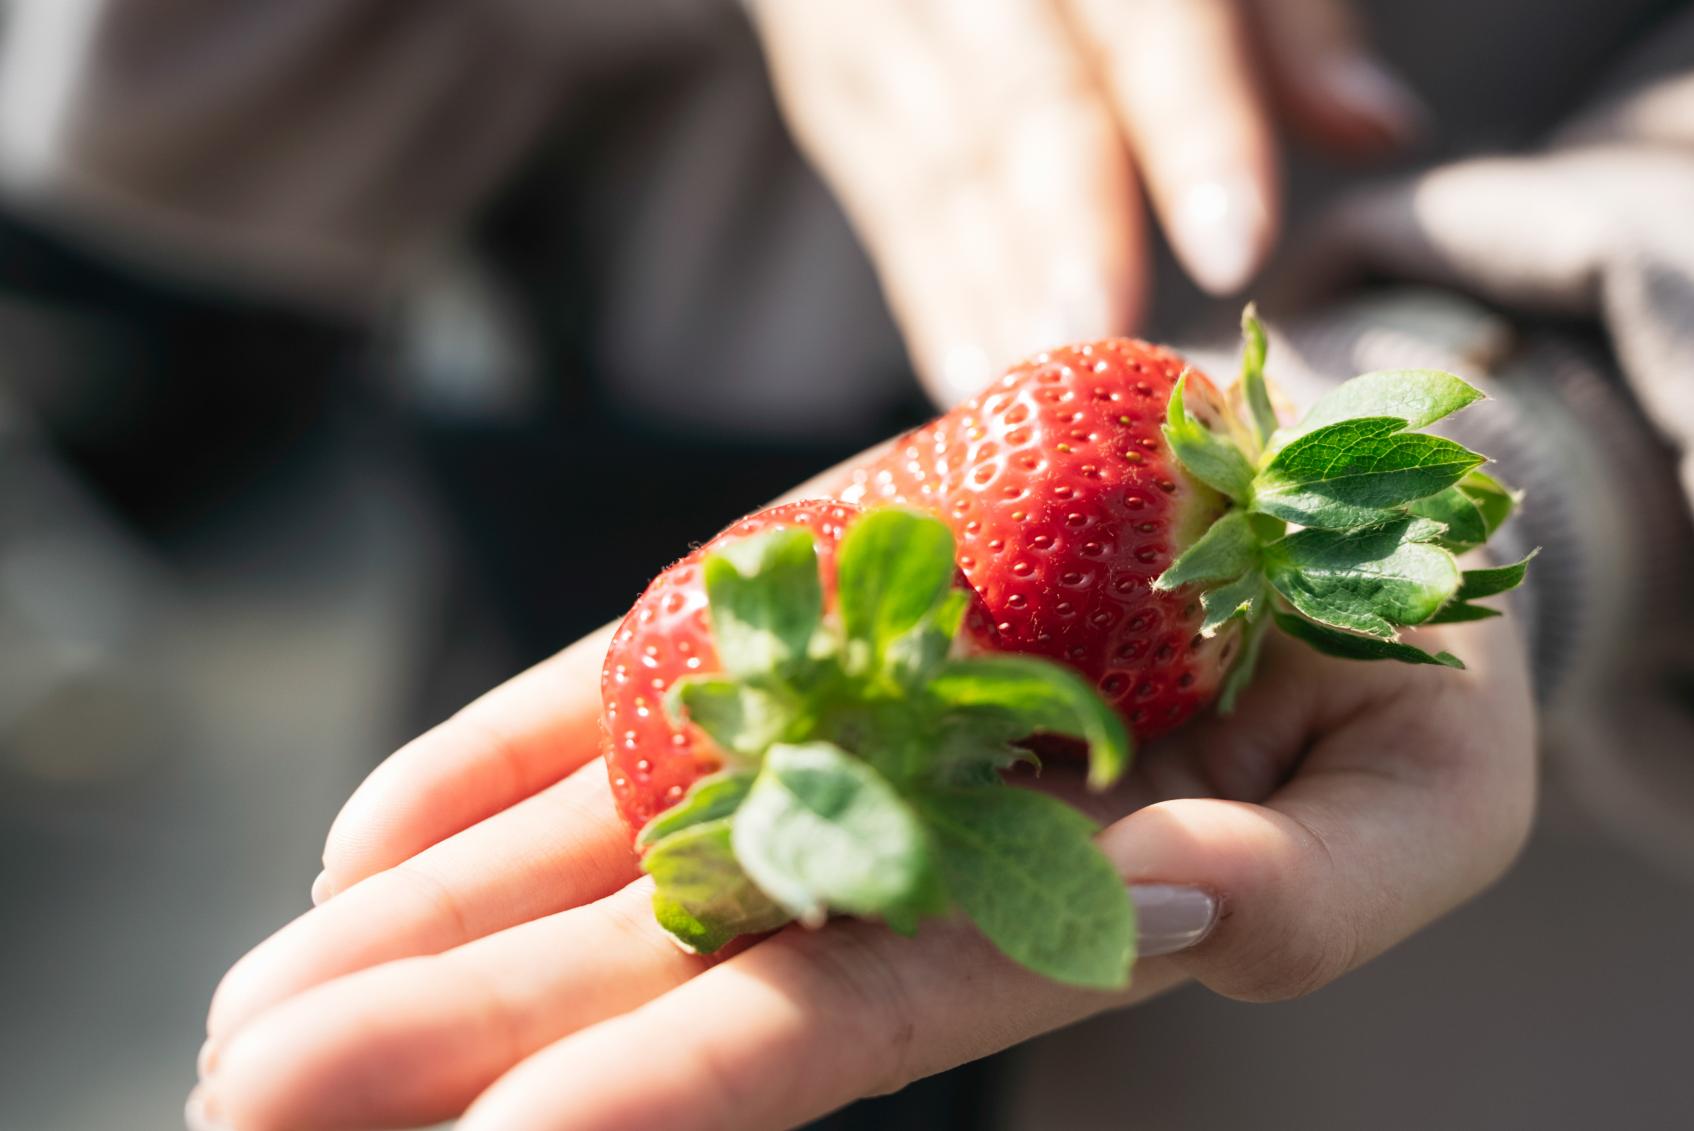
[1067, 504]
[653, 760]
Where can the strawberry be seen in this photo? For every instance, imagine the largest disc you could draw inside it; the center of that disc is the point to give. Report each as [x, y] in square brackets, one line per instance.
[811, 713]
[791, 727]
[1116, 514]
[1067, 505]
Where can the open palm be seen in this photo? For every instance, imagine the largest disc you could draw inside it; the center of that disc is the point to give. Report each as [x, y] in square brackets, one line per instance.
[484, 943]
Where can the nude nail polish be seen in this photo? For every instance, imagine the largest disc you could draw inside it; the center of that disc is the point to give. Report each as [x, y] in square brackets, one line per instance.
[321, 889]
[1219, 229]
[1171, 917]
[200, 1113]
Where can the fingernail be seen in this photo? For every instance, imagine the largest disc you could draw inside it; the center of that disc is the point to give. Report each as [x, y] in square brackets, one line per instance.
[321, 889]
[1219, 230]
[963, 372]
[207, 1062]
[200, 1113]
[1171, 917]
[1365, 87]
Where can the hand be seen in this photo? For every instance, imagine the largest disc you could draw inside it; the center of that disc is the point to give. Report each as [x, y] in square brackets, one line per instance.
[485, 940]
[988, 151]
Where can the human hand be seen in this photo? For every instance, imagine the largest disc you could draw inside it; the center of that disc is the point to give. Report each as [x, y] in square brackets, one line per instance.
[992, 154]
[485, 941]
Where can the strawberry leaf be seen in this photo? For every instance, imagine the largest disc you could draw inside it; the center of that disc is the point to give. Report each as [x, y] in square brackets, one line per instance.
[1246, 665]
[891, 570]
[1465, 526]
[912, 656]
[1209, 457]
[1346, 646]
[1349, 474]
[1493, 499]
[1026, 870]
[1459, 612]
[1420, 397]
[821, 830]
[1488, 582]
[1367, 581]
[766, 603]
[1239, 598]
[1228, 549]
[701, 895]
[708, 799]
[1042, 697]
[1253, 389]
[740, 718]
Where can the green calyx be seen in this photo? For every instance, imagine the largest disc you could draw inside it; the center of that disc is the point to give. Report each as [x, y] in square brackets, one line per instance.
[1345, 527]
[863, 761]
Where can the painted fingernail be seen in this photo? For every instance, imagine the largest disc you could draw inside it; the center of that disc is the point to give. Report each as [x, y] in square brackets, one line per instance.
[1171, 917]
[207, 1062]
[321, 889]
[1219, 229]
[1366, 88]
[200, 1113]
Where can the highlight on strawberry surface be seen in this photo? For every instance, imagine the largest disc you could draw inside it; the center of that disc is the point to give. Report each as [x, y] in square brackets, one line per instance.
[811, 714]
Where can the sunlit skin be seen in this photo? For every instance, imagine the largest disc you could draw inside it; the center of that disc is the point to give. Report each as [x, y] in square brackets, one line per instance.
[486, 943]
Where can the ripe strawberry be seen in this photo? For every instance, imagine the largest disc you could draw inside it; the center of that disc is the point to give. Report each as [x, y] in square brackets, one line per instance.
[791, 731]
[1067, 505]
[652, 758]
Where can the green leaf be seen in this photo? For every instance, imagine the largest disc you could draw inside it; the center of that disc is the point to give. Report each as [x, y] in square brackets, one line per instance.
[1209, 457]
[1253, 389]
[1466, 527]
[708, 799]
[741, 719]
[1246, 664]
[1349, 647]
[1041, 696]
[1458, 612]
[1420, 397]
[1026, 870]
[1239, 598]
[1225, 551]
[766, 602]
[894, 566]
[1493, 499]
[702, 896]
[821, 830]
[1487, 582]
[1367, 581]
[912, 656]
[1348, 474]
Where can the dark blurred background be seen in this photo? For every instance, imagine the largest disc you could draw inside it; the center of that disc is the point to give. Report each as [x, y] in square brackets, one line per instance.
[256, 531]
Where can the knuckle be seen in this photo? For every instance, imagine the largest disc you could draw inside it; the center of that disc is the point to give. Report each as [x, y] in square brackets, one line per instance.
[865, 988]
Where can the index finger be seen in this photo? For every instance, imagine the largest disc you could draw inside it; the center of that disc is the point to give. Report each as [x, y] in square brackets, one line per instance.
[513, 742]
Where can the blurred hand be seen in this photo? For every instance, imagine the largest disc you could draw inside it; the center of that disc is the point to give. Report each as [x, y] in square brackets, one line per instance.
[991, 153]
[485, 941]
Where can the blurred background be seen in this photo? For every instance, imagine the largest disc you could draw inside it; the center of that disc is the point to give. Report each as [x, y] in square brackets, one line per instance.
[311, 430]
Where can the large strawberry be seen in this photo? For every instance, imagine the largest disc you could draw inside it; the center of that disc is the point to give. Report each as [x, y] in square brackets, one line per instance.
[1118, 515]
[793, 731]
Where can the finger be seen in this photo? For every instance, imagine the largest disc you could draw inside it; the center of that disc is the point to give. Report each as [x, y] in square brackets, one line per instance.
[1328, 83]
[1182, 77]
[524, 735]
[561, 848]
[413, 1042]
[979, 166]
[1394, 818]
[791, 1029]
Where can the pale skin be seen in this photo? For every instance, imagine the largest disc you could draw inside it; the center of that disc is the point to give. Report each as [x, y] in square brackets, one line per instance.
[998, 158]
[486, 945]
